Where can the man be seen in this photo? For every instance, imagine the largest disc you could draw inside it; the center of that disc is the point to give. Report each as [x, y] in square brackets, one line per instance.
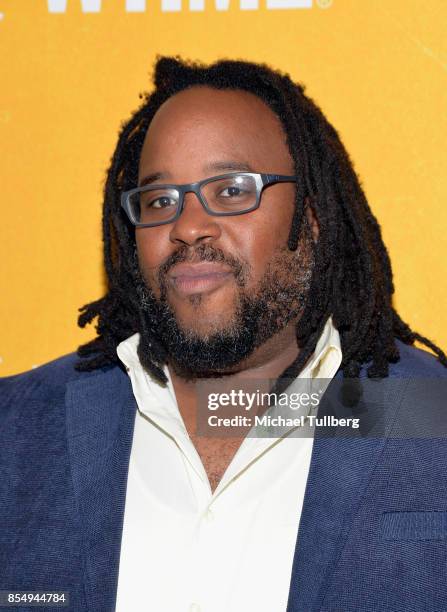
[239, 247]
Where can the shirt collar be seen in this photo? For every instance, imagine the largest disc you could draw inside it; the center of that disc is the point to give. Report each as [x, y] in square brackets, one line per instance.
[326, 356]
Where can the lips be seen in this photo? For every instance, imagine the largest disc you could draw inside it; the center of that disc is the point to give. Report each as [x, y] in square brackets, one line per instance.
[201, 277]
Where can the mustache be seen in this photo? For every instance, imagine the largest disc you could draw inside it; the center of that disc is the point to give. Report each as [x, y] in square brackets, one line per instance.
[204, 252]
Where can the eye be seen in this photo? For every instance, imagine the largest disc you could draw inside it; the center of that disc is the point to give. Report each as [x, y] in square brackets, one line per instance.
[162, 202]
[232, 191]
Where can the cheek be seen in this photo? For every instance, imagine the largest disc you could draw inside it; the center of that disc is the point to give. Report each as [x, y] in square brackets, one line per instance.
[150, 256]
[264, 242]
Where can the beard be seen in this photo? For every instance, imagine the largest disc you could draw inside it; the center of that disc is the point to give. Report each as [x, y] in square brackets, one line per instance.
[259, 314]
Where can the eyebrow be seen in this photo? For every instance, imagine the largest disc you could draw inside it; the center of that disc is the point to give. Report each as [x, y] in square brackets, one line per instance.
[212, 167]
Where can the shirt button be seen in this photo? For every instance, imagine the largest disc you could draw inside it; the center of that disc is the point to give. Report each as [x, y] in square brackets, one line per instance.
[194, 607]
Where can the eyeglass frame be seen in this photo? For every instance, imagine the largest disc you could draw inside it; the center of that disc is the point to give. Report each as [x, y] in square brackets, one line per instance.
[262, 180]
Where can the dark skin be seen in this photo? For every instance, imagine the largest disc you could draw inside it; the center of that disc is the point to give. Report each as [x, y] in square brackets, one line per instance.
[194, 130]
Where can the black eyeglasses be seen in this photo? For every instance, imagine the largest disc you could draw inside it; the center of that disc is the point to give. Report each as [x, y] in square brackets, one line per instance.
[224, 195]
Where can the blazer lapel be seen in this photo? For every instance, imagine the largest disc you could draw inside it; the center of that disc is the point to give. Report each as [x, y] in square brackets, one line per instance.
[100, 420]
[340, 470]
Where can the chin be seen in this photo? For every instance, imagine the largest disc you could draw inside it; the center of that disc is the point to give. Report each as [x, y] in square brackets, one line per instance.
[205, 318]
[203, 328]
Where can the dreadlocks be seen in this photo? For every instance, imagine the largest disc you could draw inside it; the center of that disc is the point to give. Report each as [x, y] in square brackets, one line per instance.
[352, 277]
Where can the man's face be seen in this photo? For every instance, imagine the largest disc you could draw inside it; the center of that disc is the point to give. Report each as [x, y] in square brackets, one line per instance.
[213, 275]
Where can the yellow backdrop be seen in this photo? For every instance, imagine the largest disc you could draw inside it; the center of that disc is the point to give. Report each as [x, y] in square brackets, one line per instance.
[71, 72]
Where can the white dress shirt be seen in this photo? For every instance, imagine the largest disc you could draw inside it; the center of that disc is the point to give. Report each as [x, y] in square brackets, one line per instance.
[187, 549]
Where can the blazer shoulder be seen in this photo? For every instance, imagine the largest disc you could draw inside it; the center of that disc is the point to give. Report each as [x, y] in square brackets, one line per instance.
[415, 362]
[46, 381]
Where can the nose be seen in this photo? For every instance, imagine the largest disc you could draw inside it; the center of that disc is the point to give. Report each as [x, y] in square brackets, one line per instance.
[194, 224]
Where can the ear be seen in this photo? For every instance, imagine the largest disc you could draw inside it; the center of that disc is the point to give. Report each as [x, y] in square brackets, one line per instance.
[311, 219]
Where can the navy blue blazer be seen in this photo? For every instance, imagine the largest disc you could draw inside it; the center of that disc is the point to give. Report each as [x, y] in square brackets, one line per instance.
[373, 529]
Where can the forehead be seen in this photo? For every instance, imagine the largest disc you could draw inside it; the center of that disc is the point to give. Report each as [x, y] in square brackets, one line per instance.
[203, 124]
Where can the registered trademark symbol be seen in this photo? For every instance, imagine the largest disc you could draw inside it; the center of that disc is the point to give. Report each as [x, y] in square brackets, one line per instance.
[324, 4]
